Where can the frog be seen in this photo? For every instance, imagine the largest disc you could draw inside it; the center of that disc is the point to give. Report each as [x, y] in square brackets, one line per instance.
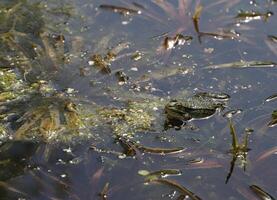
[202, 105]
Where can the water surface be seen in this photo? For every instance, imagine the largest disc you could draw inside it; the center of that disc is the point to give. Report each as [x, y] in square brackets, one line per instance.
[51, 47]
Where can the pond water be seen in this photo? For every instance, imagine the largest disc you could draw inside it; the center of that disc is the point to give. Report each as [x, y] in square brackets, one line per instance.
[124, 99]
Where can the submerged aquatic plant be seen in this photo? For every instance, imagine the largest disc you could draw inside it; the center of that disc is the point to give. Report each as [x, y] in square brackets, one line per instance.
[30, 39]
[238, 150]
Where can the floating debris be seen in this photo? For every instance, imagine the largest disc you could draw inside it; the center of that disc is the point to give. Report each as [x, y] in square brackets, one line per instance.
[243, 64]
[251, 16]
[159, 174]
[271, 98]
[104, 193]
[196, 161]
[271, 42]
[273, 121]
[100, 63]
[121, 10]
[179, 39]
[201, 163]
[103, 62]
[177, 186]
[137, 56]
[220, 35]
[229, 114]
[133, 146]
[161, 150]
[121, 77]
[263, 195]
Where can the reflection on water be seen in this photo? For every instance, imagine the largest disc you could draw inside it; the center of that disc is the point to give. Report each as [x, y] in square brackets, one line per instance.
[137, 99]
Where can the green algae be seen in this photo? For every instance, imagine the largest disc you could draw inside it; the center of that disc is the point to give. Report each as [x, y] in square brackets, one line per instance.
[48, 115]
[136, 117]
[44, 113]
[11, 86]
